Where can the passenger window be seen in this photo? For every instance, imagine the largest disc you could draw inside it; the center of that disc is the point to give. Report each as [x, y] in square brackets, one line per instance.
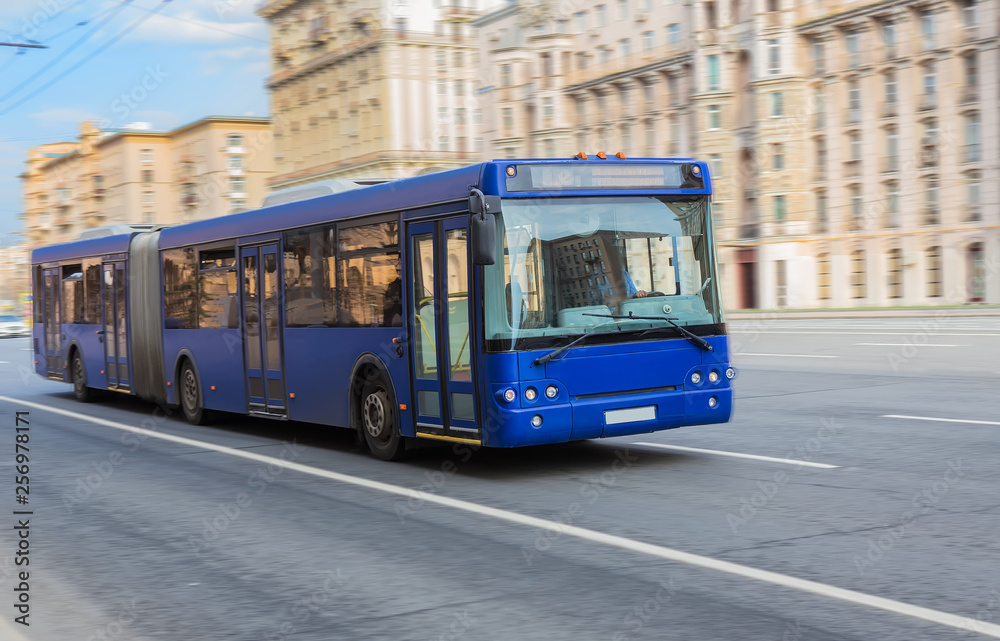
[179, 289]
[218, 299]
[72, 294]
[368, 275]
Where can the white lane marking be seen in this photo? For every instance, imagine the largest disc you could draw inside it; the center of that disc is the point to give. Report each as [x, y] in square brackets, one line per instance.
[789, 355]
[916, 331]
[649, 549]
[943, 420]
[756, 457]
[909, 344]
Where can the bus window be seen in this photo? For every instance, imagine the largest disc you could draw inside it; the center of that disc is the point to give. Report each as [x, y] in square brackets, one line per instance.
[92, 290]
[72, 294]
[310, 291]
[179, 289]
[368, 271]
[218, 302]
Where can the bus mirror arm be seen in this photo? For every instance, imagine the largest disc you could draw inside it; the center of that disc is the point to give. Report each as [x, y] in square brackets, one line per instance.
[483, 227]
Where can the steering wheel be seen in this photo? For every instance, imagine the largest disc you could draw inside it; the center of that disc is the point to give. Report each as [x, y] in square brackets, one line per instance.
[648, 294]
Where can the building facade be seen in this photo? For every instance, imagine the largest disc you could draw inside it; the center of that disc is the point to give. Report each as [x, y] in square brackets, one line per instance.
[853, 143]
[212, 167]
[372, 88]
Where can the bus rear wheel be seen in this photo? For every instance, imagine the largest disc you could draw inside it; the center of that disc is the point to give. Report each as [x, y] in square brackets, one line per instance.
[191, 400]
[378, 421]
[78, 372]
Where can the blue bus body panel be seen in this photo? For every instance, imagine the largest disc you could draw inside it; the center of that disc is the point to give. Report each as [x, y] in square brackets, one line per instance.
[91, 346]
[82, 249]
[648, 376]
[408, 193]
[218, 357]
[318, 363]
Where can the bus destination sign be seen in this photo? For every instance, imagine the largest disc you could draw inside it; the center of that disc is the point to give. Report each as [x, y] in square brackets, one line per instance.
[600, 176]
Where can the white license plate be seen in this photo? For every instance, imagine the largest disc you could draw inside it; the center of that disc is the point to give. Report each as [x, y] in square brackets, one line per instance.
[630, 415]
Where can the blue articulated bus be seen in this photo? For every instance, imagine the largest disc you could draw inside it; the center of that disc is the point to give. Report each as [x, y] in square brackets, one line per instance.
[504, 304]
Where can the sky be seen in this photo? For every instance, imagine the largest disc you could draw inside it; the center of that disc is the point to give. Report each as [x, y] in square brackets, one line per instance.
[164, 62]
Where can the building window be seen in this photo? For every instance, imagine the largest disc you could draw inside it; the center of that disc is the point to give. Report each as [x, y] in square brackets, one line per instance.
[973, 195]
[148, 199]
[818, 58]
[580, 22]
[854, 102]
[673, 33]
[711, 16]
[648, 40]
[935, 286]
[821, 157]
[852, 42]
[146, 156]
[506, 75]
[234, 140]
[854, 144]
[821, 212]
[715, 164]
[237, 185]
[623, 9]
[891, 149]
[823, 277]
[443, 143]
[714, 117]
[969, 19]
[236, 205]
[625, 47]
[928, 30]
[889, 39]
[235, 163]
[781, 283]
[859, 285]
[508, 119]
[601, 14]
[857, 208]
[713, 72]
[548, 108]
[892, 204]
[894, 272]
[973, 147]
[777, 104]
[779, 209]
[891, 89]
[147, 175]
[773, 57]
[777, 156]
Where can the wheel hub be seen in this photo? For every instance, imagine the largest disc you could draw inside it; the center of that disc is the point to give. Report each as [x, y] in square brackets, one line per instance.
[374, 413]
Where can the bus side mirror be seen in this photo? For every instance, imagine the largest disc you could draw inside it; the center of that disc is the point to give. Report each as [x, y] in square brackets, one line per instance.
[483, 227]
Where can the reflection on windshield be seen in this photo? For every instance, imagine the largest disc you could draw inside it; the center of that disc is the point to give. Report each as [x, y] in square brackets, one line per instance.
[570, 262]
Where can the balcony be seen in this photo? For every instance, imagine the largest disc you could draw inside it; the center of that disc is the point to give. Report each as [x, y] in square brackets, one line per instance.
[930, 216]
[969, 33]
[973, 213]
[890, 164]
[889, 110]
[891, 52]
[852, 116]
[189, 200]
[852, 168]
[455, 12]
[749, 230]
[928, 101]
[623, 64]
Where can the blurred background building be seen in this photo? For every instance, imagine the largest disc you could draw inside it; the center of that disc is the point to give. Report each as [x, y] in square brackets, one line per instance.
[854, 144]
[215, 166]
[372, 88]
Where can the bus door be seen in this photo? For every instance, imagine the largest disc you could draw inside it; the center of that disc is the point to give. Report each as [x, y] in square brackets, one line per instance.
[260, 324]
[51, 282]
[115, 325]
[441, 354]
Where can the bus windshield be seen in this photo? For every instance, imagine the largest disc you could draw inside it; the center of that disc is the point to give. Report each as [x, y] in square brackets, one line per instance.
[571, 264]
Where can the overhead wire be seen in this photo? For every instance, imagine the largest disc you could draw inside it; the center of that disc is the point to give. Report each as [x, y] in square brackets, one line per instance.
[129, 29]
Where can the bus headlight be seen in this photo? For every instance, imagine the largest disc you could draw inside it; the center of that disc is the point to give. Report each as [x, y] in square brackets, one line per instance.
[531, 393]
[696, 377]
[712, 402]
[509, 395]
[536, 420]
[551, 391]
[713, 376]
[730, 373]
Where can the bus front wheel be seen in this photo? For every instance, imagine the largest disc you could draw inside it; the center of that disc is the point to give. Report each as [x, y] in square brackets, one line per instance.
[378, 421]
[190, 392]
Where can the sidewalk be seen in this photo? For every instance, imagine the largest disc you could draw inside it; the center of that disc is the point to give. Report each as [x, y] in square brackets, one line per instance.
[865, 312]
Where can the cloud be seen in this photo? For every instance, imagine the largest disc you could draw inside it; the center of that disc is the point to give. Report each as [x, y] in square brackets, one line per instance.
[251, 60]
[161, 120]
[195, 28]
[62, 115]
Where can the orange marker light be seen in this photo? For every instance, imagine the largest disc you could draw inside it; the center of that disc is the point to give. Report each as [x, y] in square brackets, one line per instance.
[102, 371]
[291, 395]
[582, 155]
[620, 155]
[212, 388]
[168, 382]
[602, 155]
[402, 406]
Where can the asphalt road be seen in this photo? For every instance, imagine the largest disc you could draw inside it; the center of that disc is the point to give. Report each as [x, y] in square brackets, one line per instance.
[201, 537]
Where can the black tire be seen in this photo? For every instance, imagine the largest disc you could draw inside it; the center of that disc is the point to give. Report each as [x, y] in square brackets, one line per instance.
[378, 419]
[190, 397]
[78, 376]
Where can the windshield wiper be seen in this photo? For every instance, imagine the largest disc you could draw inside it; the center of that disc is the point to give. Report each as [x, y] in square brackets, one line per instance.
[541, 360]
[695, 340]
